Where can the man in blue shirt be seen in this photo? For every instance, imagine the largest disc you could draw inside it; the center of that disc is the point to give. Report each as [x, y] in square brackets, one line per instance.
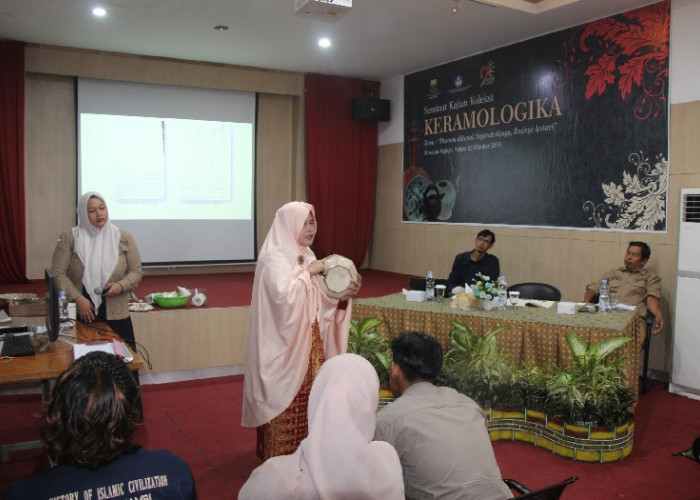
[478, 260]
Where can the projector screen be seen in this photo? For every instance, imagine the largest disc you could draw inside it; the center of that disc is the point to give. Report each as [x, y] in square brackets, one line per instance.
[176, 166]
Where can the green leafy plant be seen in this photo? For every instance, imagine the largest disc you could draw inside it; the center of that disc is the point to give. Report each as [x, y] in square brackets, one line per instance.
[593, 389]
[364, 339]
[474, 365]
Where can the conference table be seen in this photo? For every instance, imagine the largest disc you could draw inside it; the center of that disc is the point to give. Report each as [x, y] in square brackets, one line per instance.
[48, 365]
[535, 335]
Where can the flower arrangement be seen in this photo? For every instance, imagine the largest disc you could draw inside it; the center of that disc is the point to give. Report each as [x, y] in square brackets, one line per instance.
[484, 287]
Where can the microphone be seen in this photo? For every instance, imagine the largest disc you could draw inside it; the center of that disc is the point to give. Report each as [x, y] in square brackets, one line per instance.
[101, 291]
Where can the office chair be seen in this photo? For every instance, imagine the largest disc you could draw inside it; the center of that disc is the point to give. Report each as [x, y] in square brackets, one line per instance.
[649, 319]
[552, 492]
[536, 291]
[692, 453]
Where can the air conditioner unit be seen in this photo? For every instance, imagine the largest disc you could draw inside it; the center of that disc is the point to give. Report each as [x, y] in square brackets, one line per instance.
[325, 10]
[685, 370]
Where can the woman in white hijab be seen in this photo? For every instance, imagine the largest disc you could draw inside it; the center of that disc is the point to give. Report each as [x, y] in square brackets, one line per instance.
[97, 265]
[293, 328]
[338, 459]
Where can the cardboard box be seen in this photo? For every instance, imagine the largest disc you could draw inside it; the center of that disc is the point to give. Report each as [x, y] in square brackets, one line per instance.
[27, 307]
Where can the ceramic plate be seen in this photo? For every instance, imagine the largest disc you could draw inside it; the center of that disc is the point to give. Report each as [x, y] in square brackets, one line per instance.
[9, 296]
[340, 271]
[140, 307]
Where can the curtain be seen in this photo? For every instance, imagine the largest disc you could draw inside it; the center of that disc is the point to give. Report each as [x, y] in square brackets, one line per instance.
[341, 165]
[13, 246]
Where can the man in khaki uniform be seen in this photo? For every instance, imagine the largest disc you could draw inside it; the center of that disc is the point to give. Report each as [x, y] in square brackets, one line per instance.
[634, 285]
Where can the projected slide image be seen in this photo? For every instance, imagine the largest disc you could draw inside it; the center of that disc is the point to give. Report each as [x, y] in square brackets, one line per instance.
[172, 168]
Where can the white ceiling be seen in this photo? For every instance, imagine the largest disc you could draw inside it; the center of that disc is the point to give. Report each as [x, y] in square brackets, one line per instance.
[375, 40]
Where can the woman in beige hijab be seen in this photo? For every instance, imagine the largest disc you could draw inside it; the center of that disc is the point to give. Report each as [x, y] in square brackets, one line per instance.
[293, 328]
[338, 459]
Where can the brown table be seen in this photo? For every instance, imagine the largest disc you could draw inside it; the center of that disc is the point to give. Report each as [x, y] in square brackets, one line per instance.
[536, 336]
[48, 365]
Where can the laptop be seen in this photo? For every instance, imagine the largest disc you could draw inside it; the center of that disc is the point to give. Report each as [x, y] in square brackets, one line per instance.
[419, 284]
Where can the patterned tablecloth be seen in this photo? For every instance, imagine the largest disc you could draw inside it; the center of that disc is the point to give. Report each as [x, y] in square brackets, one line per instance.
[536, 336]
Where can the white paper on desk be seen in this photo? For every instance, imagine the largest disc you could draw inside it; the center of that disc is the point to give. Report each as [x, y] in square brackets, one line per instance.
[112, 347]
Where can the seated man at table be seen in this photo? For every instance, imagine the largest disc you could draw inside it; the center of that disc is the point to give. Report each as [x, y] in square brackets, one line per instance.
[634, 285]
[467, 264]
[88, 429]
[439, 434]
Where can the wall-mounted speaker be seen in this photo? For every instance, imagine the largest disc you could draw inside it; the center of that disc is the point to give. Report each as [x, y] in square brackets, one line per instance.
[371, 109]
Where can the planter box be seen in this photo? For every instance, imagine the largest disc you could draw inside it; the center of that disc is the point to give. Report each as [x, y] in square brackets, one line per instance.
[584, 443]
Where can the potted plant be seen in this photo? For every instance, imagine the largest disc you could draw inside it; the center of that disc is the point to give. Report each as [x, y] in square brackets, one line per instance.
[365, 340]
[593, 389]
[474, 365]
[486, 289]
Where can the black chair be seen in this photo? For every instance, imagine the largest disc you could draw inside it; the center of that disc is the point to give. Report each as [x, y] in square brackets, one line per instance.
[552, 492]
[646, 347]
[536, 291]
[691, 453]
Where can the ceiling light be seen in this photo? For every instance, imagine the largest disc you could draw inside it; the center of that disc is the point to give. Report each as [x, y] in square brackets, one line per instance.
[324, 42]
[99, 12]
[456, 6]
[221, 27]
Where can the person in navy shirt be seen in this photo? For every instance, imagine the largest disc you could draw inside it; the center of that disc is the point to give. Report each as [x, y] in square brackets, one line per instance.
[477, 260]
[88, 429]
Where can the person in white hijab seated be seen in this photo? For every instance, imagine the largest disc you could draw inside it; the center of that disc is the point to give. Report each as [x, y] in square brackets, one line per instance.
[338, 459]
[97, 265]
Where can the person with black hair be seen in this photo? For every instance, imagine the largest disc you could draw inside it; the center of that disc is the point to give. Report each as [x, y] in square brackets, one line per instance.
[88, 429]
[439, 434]
[467, 264]
[634, 285]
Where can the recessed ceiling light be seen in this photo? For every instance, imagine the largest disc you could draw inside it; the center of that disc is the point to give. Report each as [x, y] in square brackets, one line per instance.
[324, 42]
[99, 12]
[221, 27]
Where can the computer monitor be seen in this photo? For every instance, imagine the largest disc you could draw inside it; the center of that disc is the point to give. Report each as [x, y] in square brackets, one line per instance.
[53, 322]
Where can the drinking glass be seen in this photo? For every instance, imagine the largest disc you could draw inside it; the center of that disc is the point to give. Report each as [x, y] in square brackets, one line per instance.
[439, 292]
[613, 300]
[513, 296]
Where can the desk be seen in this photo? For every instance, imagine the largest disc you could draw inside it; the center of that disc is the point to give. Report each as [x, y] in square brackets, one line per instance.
[55, 359]
[536, 336]
[48, 365]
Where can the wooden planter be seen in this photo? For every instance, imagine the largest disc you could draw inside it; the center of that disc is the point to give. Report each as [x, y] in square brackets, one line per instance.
[582, 443]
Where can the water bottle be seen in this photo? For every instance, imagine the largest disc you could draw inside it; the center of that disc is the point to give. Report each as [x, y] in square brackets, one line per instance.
[502, 292]
[429, 286]
[603, 297]
[62, 305]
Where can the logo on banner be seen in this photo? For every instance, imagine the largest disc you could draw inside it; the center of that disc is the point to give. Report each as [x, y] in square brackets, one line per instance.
[459, 85]
[433, 91]
[487, 73]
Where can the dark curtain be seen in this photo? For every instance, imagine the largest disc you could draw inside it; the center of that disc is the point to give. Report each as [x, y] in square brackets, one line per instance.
[13, 258]
[341, 165]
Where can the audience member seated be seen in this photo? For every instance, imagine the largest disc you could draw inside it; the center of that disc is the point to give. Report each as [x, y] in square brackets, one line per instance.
[478, 260]
[634, 285]
[338, 459]
[88, 429]
[440, 434]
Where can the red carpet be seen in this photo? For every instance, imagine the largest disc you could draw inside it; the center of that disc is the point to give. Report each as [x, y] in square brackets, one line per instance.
[200, 421]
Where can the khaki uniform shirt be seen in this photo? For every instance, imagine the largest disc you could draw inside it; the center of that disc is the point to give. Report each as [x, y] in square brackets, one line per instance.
[68, 272]
[443, 444]
[632, 287]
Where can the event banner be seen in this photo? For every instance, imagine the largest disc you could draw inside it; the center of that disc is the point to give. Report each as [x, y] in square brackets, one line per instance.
[566, 130]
